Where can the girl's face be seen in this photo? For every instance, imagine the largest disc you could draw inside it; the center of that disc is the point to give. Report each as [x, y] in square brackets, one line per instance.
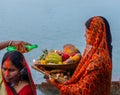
[10, 72]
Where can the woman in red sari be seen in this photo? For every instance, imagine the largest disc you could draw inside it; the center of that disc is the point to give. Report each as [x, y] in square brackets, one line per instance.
[16, 75]
[93, 73]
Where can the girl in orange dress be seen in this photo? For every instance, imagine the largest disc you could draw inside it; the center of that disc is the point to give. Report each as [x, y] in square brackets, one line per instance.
[93, 73]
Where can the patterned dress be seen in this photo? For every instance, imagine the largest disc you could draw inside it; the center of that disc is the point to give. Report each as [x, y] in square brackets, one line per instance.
[93, 73]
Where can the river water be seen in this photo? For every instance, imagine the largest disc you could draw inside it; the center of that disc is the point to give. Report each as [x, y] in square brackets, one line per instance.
[53, 23]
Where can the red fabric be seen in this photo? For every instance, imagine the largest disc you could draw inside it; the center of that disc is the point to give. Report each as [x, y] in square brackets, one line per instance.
[26, 90]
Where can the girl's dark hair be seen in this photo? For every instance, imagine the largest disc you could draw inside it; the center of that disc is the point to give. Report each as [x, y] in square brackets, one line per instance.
[18, 61]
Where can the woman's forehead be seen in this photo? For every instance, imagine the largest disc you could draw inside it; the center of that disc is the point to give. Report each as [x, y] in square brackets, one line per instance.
[8, 64]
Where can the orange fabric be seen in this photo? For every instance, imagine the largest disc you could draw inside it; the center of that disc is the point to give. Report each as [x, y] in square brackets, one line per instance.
[93, 73]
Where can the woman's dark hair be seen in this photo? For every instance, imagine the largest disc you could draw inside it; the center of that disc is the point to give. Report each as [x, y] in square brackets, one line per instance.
[108, 35]
[18, 61]
[88, 22]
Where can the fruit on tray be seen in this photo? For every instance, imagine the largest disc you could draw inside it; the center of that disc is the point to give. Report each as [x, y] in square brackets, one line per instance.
[69, 54]
[53, 58]
[50, 57]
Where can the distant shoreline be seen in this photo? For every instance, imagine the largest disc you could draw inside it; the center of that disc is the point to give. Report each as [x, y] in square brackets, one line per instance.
[115, 88]
[48, 88]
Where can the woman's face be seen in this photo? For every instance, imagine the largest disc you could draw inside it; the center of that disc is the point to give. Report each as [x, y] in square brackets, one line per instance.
[88, 36]
[10, 72]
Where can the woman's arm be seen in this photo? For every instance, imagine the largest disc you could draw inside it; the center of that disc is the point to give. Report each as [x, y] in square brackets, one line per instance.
[4, 44]
[18, 44]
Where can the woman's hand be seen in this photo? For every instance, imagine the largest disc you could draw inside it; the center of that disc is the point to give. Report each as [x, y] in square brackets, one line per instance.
[51, 81]
[20, 45]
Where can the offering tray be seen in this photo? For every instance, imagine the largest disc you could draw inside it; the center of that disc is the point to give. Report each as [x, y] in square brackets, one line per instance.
[50, 66]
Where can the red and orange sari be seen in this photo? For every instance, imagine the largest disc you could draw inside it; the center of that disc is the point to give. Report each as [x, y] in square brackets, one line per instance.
[93, 73]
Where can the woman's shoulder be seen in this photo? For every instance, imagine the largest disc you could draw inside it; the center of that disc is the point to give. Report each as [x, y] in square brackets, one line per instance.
[24, 83]
[27, 86]
[25, 89]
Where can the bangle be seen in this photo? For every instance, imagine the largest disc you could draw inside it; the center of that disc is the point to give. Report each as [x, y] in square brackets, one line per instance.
[10, 43]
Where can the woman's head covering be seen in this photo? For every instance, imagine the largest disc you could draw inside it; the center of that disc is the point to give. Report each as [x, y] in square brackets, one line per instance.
[93, 73]
[20, 63]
